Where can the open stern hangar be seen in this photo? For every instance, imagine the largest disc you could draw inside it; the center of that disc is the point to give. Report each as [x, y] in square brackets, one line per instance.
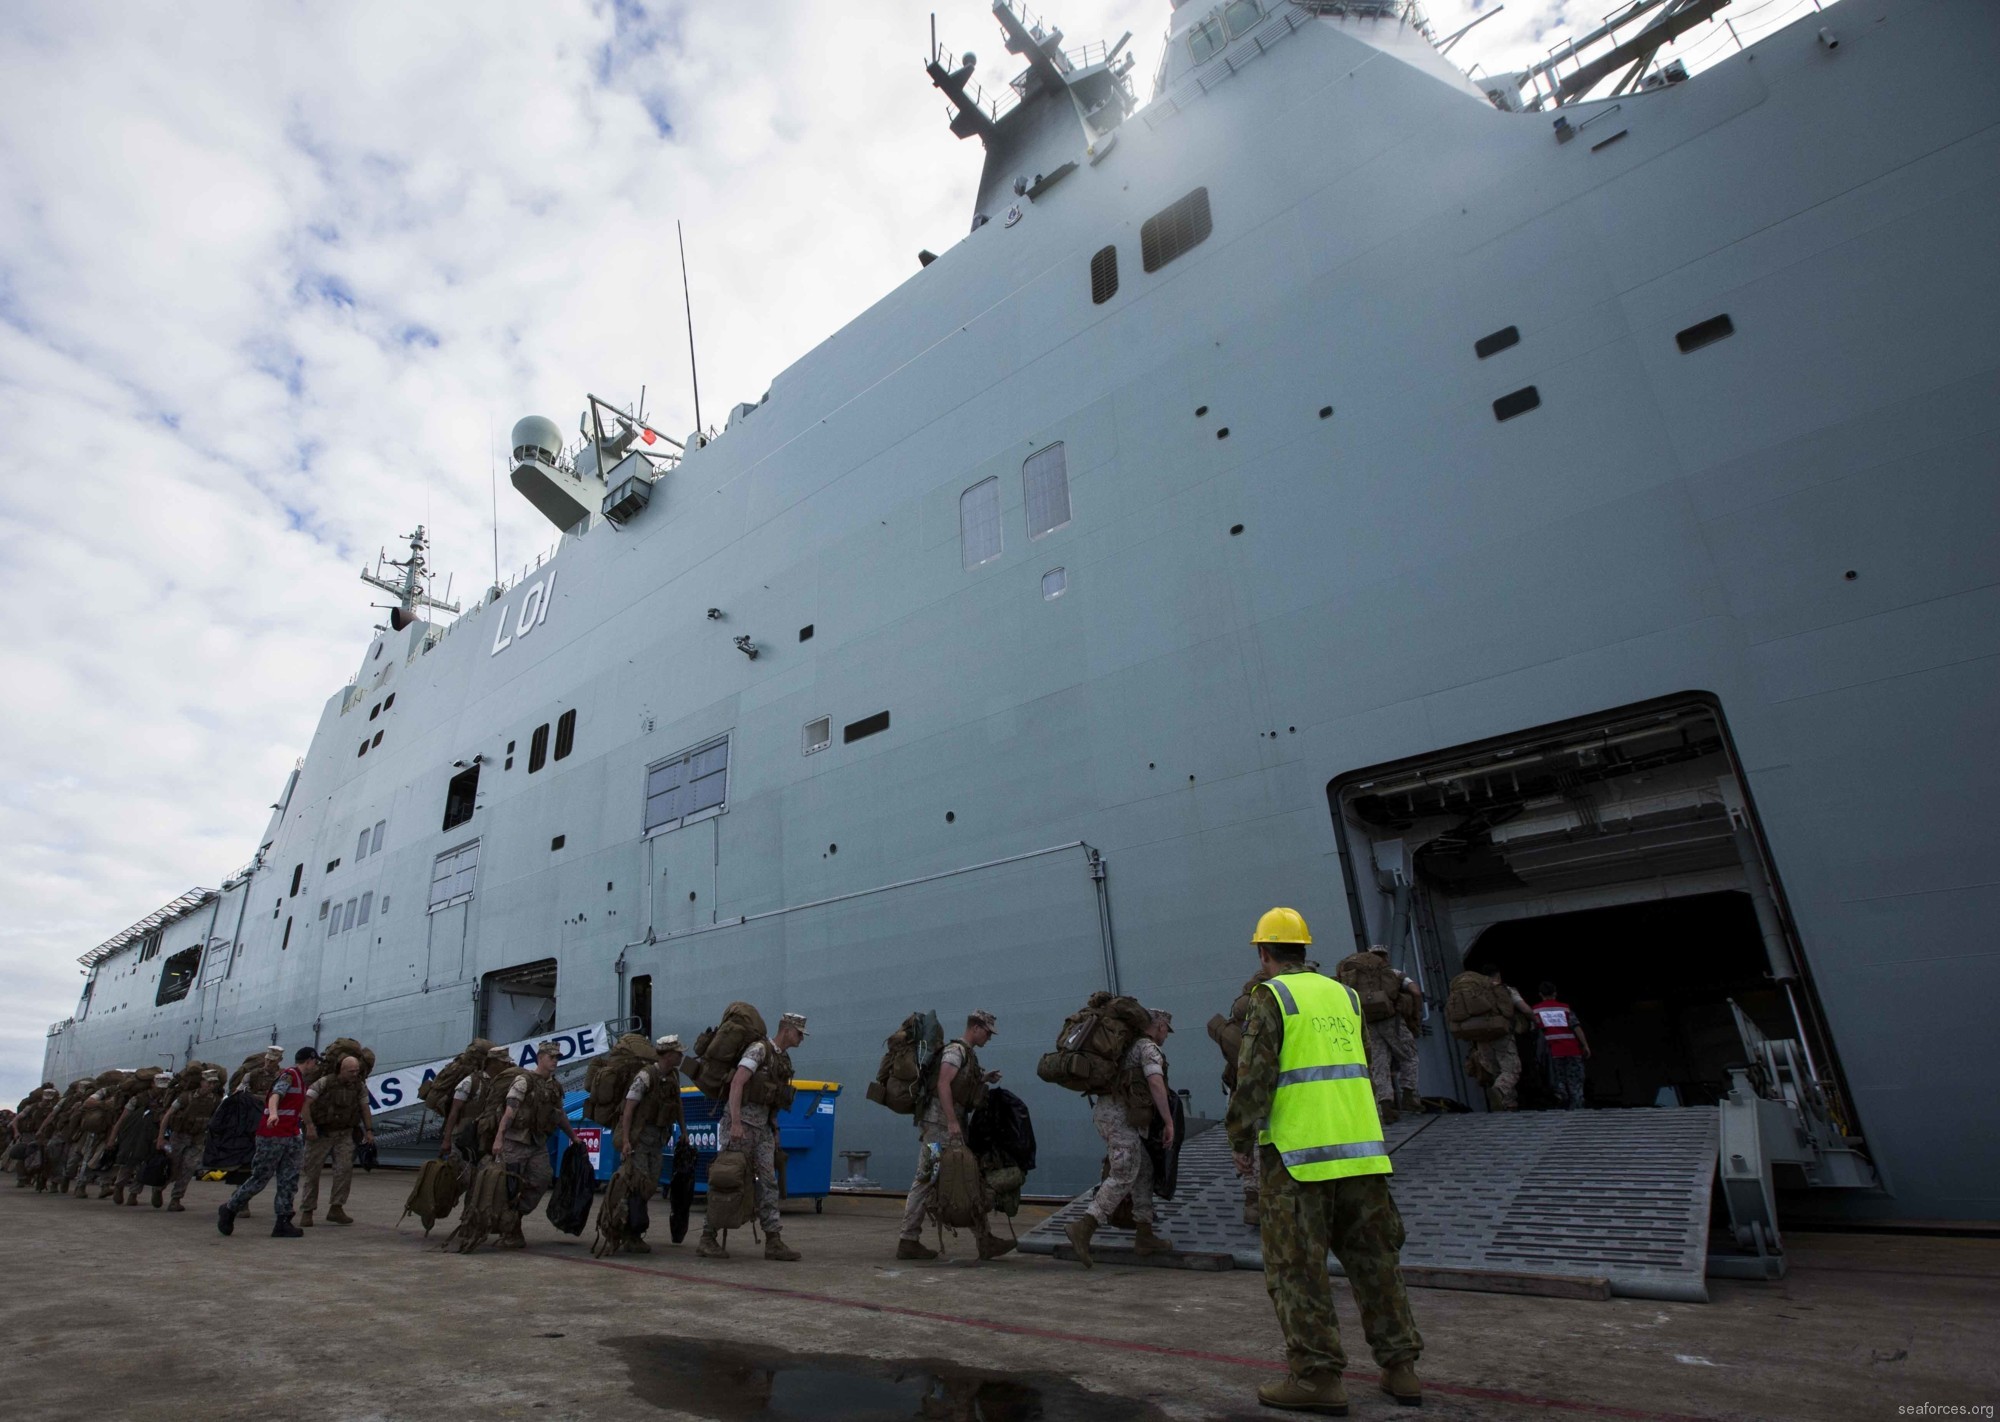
[1618, 857]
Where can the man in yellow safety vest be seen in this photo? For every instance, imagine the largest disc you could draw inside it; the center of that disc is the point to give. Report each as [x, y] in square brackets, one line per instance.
[1304, 1109]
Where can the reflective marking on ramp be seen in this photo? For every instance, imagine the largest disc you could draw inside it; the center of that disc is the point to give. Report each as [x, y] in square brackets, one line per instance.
[1616, 1195]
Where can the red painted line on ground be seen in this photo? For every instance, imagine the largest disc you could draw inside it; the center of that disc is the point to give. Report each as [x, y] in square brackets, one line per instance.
[1126, 1345]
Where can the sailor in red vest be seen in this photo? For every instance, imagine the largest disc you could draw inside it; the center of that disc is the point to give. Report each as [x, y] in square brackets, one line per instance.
[280, 1147]
[1568, 1048]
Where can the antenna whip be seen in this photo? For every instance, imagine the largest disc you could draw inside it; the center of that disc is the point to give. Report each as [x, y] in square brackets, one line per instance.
[694, 376]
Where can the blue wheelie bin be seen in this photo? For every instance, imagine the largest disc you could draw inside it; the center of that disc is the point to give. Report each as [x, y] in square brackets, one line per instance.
[805, 1139]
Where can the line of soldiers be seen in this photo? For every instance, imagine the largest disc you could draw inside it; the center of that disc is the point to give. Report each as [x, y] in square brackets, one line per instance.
[129, 1132]
[106, 1130]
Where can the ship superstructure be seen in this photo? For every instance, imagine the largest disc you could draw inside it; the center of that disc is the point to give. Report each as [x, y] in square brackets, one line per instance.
[1499, 522]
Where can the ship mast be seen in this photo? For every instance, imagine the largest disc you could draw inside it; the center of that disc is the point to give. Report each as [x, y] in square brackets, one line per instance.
[409, 591]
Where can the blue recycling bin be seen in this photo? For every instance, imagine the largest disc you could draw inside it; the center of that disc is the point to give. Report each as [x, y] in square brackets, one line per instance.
[805, 1136]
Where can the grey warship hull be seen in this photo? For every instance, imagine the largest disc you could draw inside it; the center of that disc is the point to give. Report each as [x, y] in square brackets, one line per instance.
[1660, 455]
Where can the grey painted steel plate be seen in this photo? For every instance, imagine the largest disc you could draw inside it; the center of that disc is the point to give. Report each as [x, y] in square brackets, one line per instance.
[1617, 1195]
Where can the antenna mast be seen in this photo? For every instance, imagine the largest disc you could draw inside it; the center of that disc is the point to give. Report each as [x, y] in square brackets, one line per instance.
[409, 590]
[493, 487]
[694, 375]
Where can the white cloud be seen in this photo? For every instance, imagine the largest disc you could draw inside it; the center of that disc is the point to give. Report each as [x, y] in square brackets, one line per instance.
[273, 277]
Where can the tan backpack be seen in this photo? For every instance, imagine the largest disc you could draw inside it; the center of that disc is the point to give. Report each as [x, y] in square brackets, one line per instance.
[721, 1047]
[488, 1203]
[1478, 1010]
[434, 1195]
[329, 1060]
[961, 1199]
[732, 1201]
[1374, 982]
[609, 1077]
[1089, 1054]
[908, 1056]
[437, 1092]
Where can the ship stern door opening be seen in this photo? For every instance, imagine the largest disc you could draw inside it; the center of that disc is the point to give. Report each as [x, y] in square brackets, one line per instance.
[516, 1004]
[1617, 858]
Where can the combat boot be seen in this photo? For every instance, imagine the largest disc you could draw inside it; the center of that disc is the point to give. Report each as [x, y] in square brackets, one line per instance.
[512, 1238]
[175, 1207]
[914, 1249]
[1148, 1242]
[710, 1247]
[1408, 1100]
[117, 1195]
[225, 1218]
[305, 1219]
[283, 1228]
[1388, 1113]
[992, 1246]
[635, 1245]
[159, 1198]
[132, 1195]
[776, 1248]
[1080, 1230]
[1399, 1380]
[1321, 1392]
[337, 1215]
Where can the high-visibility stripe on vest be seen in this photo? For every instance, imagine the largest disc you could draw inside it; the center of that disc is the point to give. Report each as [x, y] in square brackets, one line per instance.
[1323, 1119]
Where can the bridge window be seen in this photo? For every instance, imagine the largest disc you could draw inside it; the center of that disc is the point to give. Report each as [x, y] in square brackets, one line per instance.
[538, 748]
[565, 733]
[1205, 41]
[1175, 229]
[979, 523]
[1045, 483]
[1241, 17]
[690, 786]
[381, 829]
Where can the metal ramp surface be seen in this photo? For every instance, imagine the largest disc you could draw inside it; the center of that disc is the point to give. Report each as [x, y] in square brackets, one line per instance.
[1618, 1196]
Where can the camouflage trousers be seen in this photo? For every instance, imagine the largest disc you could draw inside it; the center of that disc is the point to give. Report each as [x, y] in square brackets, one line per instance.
[77, 1175]
[648, 1159]
[186, 1157]
[763, 1150]
[1392, 1058]
[917, 1205]
[339, 1146]
[528, 1162]
[277, 1158]
[1356, 1220]
[1566, 1080]
[55, 1163]
[1499, 1065]
[1129, 1170]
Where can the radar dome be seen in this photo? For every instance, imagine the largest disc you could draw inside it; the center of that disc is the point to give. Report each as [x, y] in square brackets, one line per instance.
[537, 438]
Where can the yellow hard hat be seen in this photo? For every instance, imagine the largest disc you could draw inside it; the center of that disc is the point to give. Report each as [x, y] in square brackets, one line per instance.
[1282, 925]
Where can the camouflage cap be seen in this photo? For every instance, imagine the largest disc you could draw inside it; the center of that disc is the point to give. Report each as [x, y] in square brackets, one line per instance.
[500, 1052]
[984, 1019]
[669, 1043]
[1164, 1017]
[1381, 948]
[795, 1020]
[548, 1044]
[274, 1050]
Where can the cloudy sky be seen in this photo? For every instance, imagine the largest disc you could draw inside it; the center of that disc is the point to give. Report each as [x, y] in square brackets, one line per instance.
[275, 277]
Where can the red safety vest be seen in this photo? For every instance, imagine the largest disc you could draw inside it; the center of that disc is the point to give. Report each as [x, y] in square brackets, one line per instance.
[291, 1107]
[1558, 1026]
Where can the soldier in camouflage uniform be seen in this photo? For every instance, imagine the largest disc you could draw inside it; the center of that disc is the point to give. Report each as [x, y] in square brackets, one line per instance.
[184, 1134]
[532, 1113]
[1123, 1117]
[760, 1085]
[94, 1120]
[646, 1123]
[1354, 1217]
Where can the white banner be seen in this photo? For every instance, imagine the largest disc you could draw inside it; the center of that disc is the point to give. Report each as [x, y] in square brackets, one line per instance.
[397, 1090]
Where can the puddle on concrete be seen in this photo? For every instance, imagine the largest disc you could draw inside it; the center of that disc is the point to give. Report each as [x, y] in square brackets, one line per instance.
[731, 1382]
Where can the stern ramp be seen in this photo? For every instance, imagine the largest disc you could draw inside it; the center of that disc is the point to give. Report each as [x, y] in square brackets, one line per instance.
[1538, 1202]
